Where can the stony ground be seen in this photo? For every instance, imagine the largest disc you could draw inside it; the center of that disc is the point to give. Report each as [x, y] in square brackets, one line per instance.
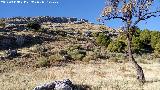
[102, 76]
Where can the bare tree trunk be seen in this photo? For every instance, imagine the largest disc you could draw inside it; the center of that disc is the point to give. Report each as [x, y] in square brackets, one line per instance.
[139, 70]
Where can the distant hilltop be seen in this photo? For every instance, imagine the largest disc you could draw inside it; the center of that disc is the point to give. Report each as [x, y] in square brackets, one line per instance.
[41, 19]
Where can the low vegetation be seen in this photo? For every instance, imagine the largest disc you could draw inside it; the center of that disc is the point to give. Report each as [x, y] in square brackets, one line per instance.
[144, 41]
[104, 76]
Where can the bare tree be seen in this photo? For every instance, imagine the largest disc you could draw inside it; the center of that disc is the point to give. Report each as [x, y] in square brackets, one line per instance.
[130, 12]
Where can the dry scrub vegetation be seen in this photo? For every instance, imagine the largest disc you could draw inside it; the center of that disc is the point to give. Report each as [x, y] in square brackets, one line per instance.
[99, 76]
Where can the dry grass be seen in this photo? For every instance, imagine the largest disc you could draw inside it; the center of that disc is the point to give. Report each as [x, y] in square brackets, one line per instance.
[110, 76]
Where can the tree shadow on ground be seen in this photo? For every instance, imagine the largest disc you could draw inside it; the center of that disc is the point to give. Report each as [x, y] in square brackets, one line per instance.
[152, 81]
[81, 87]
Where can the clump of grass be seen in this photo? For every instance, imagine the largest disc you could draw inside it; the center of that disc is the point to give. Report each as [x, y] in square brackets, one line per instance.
[144, 61]
[51, 60]
[156, 55]
[76, 52]
[157, 60]
[77, 56]
[88, 58]
[113, 59]
[55, 58]
[42, 62]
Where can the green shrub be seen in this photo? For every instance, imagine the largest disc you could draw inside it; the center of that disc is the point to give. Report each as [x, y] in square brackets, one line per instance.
[157, 47]
[137, 32]
[140, 41]
[103, 40]
[116, 46]
[155, 38]
[145, 36]
[136, 45]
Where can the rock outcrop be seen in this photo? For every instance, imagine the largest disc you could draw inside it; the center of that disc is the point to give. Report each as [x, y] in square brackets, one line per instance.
[16, 41]
[41, 19]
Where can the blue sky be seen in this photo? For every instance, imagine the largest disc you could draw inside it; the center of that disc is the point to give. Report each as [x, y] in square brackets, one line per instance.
[87, 9]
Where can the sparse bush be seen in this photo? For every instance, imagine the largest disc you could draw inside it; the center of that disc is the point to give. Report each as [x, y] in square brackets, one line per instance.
[76, 52]
[42, 62]
[55, 58]
[121, 56]
[77, 56]
[87, 58]
[73, 47]
[97, 53]
[41, 30]
[63, 52]
[102, 27]
[38, 49]
[2, 25]
[95, 34]
[34, 25]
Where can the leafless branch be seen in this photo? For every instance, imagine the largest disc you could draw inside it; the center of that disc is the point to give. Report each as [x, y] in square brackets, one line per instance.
[147, 16]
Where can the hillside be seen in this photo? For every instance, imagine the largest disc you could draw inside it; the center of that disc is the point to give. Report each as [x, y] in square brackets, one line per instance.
[37, 50]
[16, 35]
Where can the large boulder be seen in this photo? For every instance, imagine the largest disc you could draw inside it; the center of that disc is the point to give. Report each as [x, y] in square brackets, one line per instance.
[56, 85]
[63, 85]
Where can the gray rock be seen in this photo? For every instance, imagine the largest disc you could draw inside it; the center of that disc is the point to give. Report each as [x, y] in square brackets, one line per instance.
[12, 53]
[48, 86]
[63, 85]
[56, 85]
